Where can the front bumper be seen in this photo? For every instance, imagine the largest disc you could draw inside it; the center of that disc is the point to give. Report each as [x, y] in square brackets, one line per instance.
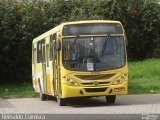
[79, 91]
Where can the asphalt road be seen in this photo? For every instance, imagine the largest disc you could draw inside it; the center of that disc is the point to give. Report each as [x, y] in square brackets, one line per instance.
[127, 104]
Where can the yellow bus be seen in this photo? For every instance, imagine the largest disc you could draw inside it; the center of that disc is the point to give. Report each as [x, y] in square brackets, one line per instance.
[81, 59]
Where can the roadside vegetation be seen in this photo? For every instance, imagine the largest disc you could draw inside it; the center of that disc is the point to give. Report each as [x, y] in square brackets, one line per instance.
[17, 90]
[144, 78]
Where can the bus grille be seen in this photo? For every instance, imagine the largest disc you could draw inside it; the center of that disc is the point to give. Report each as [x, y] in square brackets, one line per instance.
[95, 89]
[95, 77]
[100, 83]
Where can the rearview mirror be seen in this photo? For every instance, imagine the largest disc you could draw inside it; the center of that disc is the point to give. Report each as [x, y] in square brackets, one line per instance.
[58, 45]
[126, 41]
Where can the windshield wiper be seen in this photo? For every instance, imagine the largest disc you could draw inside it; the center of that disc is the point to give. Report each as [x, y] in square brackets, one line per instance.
[105, 44]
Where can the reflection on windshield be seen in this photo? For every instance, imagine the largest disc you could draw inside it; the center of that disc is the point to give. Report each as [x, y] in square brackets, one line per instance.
[89, 53]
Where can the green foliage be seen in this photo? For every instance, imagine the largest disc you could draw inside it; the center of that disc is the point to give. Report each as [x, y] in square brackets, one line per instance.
[17, 90]
[21, 22]
[144, 76]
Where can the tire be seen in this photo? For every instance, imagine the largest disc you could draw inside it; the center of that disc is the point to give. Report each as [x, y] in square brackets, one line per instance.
[43, 97]
[61, 101]
[111, 99]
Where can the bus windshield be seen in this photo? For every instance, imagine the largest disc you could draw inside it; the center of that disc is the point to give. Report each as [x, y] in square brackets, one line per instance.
[93, 53]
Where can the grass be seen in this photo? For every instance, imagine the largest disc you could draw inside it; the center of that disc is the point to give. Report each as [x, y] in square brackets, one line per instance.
[144, 78]
[17, 90]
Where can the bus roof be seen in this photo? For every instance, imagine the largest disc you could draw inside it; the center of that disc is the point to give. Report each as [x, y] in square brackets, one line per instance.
[91, 21]
[59, 27]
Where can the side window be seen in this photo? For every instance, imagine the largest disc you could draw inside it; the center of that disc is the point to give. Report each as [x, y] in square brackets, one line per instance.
[51, 47]
[54, 46]
[39, 52]
[54, 50]
[47, 55]
[52, 39]
[32, 53]
[34, 56]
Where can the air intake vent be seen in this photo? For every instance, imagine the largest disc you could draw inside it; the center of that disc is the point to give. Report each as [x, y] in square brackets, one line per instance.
[95, 77]
[100, 83]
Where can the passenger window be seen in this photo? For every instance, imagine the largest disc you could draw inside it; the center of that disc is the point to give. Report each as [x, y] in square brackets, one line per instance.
[51, 47]
[47, 55]
[39, 52]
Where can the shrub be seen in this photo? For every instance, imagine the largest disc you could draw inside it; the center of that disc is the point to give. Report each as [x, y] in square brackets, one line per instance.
[21, 22]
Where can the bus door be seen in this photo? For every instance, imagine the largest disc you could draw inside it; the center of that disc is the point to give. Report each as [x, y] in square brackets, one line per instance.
[54, 67]
[58, 48]
[48, 67]
[44, 66]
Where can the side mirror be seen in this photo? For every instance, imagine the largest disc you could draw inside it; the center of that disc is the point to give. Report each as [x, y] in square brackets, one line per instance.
[126, 41]
[58, 45]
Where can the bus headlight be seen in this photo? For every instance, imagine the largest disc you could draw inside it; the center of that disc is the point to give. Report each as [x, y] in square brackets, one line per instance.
[71, 82]
[119, 80]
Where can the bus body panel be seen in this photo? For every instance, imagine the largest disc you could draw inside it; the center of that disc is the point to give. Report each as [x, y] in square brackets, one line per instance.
[54, 81]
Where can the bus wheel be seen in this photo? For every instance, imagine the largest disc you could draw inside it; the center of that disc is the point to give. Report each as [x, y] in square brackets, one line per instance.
[43, 96]
[61, 101]
[111, 99]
